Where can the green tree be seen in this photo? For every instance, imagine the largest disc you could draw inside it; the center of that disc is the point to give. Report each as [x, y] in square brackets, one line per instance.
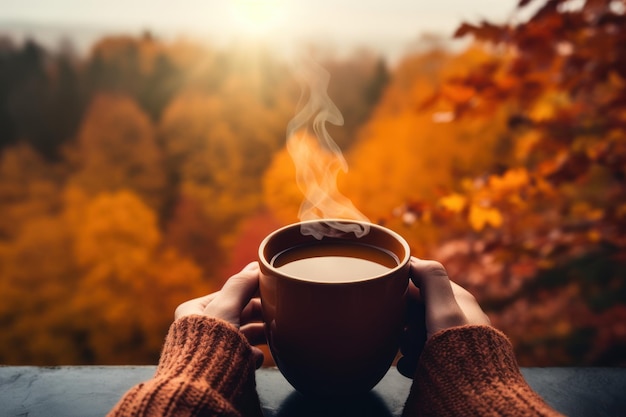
[140, 68]
[41, 100]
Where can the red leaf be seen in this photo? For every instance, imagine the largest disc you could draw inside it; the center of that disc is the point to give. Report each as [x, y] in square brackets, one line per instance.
[523, 3]
[486, 31]
[458, 93]
[464, 30]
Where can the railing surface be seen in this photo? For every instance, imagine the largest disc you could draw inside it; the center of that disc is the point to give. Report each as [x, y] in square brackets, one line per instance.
[85, 391]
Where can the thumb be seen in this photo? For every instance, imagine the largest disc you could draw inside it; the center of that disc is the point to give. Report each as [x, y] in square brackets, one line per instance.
[236, 293]
[441, 308]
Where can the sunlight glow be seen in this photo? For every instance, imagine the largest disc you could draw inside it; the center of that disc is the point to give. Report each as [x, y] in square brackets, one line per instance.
[257, 17]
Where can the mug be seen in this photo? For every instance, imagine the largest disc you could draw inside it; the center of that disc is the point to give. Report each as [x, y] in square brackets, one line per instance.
[333, 307]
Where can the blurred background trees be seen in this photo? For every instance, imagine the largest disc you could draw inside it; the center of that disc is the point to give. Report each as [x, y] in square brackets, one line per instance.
[540, 235]
[142, 174]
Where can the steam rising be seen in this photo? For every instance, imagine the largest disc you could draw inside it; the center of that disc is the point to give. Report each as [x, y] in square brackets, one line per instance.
[319, 160]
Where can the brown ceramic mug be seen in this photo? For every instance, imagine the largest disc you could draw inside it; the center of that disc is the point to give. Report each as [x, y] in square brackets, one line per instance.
[333, 307]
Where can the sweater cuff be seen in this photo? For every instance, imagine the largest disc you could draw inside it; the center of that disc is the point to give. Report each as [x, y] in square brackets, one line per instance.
[471, 347]
[471, 367]
[207, 349]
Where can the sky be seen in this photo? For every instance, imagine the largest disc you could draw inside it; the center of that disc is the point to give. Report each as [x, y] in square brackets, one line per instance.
[381, 24]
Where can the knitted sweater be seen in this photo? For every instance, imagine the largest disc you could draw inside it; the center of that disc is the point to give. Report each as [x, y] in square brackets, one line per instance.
[207, 369]
[471, 371]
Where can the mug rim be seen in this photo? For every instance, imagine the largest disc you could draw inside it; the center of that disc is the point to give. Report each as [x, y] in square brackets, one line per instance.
[401, 262]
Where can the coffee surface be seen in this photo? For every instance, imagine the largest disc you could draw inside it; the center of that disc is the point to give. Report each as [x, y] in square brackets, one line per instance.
[335, 262]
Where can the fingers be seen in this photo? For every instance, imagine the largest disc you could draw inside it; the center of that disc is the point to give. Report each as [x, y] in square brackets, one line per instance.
[229, 303]
[441, 307]
[195, 306]
[241, 287]
[259, 357]
[432, 280]
[255, 333]
[414, 335]
[252, 312]
[414, 293]
[235, 303]
[472, 310]
[415, 330]
[407, 366]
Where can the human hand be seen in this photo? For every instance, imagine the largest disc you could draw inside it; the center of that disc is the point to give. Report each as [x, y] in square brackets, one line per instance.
[435, 303]
[236, 303]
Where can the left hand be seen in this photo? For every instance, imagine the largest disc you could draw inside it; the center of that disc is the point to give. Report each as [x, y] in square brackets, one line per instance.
[236, 303]
[435, 303]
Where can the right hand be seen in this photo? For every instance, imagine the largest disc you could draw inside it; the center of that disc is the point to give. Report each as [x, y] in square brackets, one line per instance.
[236, 303]
[435, 304]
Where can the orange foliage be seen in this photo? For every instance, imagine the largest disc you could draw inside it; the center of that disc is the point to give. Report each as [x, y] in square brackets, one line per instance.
[106, 233]
[195, 234]
[105, 303]
[280, 191]
[403, 153]
[117, 149]
[540, 236]
[505, 161]
[29, 187]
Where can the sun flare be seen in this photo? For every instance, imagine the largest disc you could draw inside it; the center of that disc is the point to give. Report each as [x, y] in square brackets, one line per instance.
[255, 17]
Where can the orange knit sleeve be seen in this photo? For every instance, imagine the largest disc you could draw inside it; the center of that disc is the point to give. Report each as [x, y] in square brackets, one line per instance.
[206, 368]
[471, 371]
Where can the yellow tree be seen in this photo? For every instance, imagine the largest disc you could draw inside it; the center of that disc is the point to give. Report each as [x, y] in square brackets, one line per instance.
[33, 255]
[129, 283]
[29, 188]
[207, 162]
[217, 147]
[36, 278]
[93, 284]
[116, 149]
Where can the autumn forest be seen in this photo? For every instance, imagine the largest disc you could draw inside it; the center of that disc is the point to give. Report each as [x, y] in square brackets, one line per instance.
[146, 172]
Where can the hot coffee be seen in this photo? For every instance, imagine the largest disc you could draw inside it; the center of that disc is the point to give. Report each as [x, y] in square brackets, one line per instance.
[333, 307]
[335, 262]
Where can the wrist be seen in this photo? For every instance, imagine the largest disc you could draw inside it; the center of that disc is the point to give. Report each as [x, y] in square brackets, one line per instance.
[197, 345]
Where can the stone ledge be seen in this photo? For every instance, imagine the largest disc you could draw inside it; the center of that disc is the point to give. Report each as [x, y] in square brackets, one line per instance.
[85, 391]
